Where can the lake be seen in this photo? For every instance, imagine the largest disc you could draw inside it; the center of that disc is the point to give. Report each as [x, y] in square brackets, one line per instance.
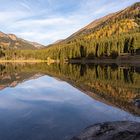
[57, 101]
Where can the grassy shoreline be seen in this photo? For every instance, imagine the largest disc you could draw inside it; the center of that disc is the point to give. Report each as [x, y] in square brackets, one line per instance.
[119, 60]
[23, 61]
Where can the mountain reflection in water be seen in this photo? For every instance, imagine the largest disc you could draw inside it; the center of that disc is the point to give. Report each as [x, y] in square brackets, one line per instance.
[41, 101]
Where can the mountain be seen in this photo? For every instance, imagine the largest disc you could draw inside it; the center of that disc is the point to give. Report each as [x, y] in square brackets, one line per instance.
[12, 41]
[58, 41]
[109, 36]
[91, 26]
[128, 14]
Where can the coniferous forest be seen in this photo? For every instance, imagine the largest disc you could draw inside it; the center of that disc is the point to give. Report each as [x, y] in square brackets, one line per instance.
[111, 36]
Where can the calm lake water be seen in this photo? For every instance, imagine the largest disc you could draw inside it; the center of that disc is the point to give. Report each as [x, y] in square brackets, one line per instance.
[56, 102]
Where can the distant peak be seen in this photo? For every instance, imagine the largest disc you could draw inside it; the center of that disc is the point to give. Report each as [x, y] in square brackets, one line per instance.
[12, 36]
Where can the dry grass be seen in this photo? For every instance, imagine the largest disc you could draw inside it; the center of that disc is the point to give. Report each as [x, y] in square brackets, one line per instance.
[22, 61]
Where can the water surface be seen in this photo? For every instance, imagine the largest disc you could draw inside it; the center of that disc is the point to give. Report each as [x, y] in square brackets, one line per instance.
[36, 106]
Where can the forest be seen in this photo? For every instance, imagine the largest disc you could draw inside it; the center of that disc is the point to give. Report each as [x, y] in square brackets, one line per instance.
[112, 37]
[108, 47]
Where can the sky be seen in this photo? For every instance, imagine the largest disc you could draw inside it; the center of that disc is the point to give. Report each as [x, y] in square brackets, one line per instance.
[46, 21]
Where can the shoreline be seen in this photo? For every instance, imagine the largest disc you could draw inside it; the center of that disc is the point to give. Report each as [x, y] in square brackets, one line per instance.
[132, 60]
[122, 60]
[24, 61]
[102, 61]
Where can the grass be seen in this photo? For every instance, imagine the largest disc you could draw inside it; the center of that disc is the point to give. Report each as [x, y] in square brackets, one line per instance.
[22, 61]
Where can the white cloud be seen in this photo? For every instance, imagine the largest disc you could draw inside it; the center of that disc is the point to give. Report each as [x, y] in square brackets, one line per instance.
[46, 21]
[25, 5]
[43, 22]
[45, 30]
[6, 16]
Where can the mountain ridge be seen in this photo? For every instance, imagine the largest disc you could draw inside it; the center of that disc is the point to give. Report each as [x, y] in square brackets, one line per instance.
[103, 21]
[110, 36]
[12, 41]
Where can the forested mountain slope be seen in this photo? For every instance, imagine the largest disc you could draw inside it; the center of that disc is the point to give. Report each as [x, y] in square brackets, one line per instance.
[128, 14]
[109, 36]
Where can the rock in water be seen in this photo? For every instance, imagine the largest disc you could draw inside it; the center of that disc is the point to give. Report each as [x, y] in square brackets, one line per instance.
[137, 103]
[120, 130]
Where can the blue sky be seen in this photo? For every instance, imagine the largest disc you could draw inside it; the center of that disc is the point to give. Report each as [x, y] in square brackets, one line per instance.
[46, 21]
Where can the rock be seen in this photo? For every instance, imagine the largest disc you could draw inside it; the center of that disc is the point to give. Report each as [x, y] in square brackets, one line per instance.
[137, 103]
[121, 130]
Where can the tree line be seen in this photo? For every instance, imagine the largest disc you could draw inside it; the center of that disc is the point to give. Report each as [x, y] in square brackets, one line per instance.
[80, 48]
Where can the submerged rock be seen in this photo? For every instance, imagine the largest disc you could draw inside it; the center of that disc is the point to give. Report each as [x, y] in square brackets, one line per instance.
[121, 130]
[137, 103]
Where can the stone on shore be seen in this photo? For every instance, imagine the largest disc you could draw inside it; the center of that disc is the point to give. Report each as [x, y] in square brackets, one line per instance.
[120, 130]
